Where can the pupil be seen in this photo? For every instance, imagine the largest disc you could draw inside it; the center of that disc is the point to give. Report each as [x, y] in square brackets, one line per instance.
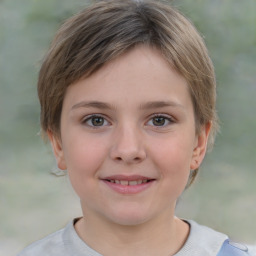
[159, 121]
[97, 121]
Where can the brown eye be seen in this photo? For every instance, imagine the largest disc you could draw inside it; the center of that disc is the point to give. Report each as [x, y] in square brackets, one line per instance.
[95, 121]
[159, 121]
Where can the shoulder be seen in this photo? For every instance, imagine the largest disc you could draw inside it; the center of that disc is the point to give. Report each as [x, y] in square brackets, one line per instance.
[202, 241]
[64, 242]
[230, 248]
[51, 245]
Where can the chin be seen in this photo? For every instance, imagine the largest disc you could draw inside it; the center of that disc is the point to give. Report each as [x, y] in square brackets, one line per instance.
[130, 221]
[130, 217]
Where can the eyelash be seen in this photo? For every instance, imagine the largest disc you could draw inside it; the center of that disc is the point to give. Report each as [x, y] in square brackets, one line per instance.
[90, 118]
[165, 118]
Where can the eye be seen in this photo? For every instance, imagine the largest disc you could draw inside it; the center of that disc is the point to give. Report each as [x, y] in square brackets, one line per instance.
[95, 121]
[160, 121]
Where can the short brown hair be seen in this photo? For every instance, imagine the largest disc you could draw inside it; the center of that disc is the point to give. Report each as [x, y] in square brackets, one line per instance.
[107, 29]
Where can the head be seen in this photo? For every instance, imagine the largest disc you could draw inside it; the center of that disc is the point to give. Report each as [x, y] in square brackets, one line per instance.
[108, 29]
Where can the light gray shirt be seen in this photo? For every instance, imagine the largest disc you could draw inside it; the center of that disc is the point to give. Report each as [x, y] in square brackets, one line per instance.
[202, 241]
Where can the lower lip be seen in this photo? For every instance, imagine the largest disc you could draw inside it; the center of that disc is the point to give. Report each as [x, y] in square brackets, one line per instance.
[128, 189]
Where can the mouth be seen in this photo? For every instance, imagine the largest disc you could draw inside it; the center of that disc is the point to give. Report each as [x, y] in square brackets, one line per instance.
[128, 184]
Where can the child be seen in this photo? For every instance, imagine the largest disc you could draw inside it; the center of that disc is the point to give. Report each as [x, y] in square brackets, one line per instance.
[127, 94]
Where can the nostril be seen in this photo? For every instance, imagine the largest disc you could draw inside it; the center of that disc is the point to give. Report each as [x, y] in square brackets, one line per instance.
[128, 159]
[127, 155]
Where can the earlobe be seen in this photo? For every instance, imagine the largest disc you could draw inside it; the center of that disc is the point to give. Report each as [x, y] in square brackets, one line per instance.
[57, 150]
[200, 146]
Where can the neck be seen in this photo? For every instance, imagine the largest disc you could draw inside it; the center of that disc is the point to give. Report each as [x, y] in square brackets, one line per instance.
[163, 236]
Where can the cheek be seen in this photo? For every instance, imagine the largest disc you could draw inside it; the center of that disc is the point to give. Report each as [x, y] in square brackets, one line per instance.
[173, 158]
[174, 152]
[83, 160]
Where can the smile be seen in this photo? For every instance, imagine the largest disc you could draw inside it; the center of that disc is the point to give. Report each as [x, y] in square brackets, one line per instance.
[129, 183]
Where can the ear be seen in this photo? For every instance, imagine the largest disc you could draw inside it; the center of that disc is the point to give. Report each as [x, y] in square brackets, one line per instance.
[57, 150]
[200, 146]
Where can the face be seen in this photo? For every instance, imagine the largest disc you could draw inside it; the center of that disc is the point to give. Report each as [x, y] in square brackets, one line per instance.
[128, 138]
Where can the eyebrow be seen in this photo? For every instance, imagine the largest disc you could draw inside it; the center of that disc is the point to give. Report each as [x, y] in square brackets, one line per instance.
[160, 104]
[92, 104]
[148, 105]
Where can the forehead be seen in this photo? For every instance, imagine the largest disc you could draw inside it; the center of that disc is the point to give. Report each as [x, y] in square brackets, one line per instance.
[142, 74]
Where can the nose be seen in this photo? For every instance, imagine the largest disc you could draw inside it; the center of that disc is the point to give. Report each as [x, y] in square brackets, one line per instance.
[128, 146]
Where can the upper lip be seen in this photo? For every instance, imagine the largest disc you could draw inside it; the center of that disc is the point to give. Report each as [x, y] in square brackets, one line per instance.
[127, 177]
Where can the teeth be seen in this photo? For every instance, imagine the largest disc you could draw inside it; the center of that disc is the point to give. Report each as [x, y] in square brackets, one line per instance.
[124, 182]
[133, 183]
[130, 183]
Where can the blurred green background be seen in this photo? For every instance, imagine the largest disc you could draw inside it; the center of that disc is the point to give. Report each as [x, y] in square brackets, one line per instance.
[34, 203]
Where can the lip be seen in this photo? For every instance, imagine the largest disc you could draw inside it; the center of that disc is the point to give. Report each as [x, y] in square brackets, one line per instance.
[128, 184]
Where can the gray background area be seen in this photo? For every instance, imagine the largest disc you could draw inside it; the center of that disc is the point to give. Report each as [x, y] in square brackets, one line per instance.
[34, 203]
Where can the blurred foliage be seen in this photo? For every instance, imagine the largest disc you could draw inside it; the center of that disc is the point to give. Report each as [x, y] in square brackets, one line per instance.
[229, 29]
[225, 195]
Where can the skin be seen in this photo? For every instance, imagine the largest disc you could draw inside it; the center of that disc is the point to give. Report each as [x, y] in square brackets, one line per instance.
[126, 138]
